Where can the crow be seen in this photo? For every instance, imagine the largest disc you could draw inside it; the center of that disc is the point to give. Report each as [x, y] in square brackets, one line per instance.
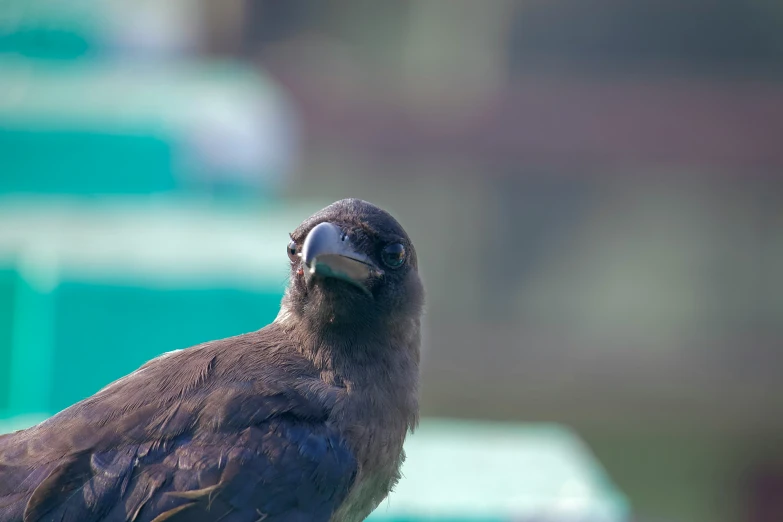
[302, 420]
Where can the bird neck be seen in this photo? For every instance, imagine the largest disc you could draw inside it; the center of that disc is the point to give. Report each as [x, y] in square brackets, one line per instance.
[359, 357]
[354, 357]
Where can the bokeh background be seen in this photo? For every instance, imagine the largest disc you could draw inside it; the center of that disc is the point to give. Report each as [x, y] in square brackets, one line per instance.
[594, 189]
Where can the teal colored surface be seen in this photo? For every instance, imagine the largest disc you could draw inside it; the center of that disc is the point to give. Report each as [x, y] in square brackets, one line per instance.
[48, 29]
[103, 332]
[51, 44]
[104, 127]
[31, 350]
[62, 346]
[21, 422]
[8, 283]
[84, 162]
[487, 472]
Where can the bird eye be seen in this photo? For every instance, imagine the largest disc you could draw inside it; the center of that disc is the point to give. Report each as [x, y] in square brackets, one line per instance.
[393, 255]
[293, 251]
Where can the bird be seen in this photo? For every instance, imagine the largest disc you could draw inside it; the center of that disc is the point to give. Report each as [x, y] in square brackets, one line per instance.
[302, 420]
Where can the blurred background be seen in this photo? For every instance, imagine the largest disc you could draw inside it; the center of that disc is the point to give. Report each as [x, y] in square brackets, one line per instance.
[594, 189]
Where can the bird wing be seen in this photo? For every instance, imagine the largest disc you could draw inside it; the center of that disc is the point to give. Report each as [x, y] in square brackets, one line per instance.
[234, 456]
[280, 470]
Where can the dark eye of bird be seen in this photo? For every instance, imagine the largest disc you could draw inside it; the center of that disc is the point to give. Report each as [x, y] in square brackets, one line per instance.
[293, 250]
[393, 255]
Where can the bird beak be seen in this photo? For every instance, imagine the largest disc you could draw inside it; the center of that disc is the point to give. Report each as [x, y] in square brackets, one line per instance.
[327, 252]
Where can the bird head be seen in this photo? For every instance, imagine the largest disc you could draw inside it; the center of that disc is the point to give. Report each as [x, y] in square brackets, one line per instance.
[352, 264]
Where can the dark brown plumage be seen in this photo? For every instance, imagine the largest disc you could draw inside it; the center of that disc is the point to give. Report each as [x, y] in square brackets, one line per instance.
[302, 420]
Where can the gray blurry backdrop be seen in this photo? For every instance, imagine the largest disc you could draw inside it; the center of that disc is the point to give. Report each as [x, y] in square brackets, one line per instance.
[595, 189]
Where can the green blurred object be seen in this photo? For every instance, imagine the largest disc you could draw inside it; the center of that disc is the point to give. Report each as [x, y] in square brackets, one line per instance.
[100, 127]
[8, 286]
[52, 161]
[466, 471]
[98, 332]
[93, 289]
[21, 422]
[87, 29]
[44, 43]
[48, 28]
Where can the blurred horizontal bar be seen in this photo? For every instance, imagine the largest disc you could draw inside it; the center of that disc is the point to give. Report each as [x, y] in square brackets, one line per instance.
[562, 121]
